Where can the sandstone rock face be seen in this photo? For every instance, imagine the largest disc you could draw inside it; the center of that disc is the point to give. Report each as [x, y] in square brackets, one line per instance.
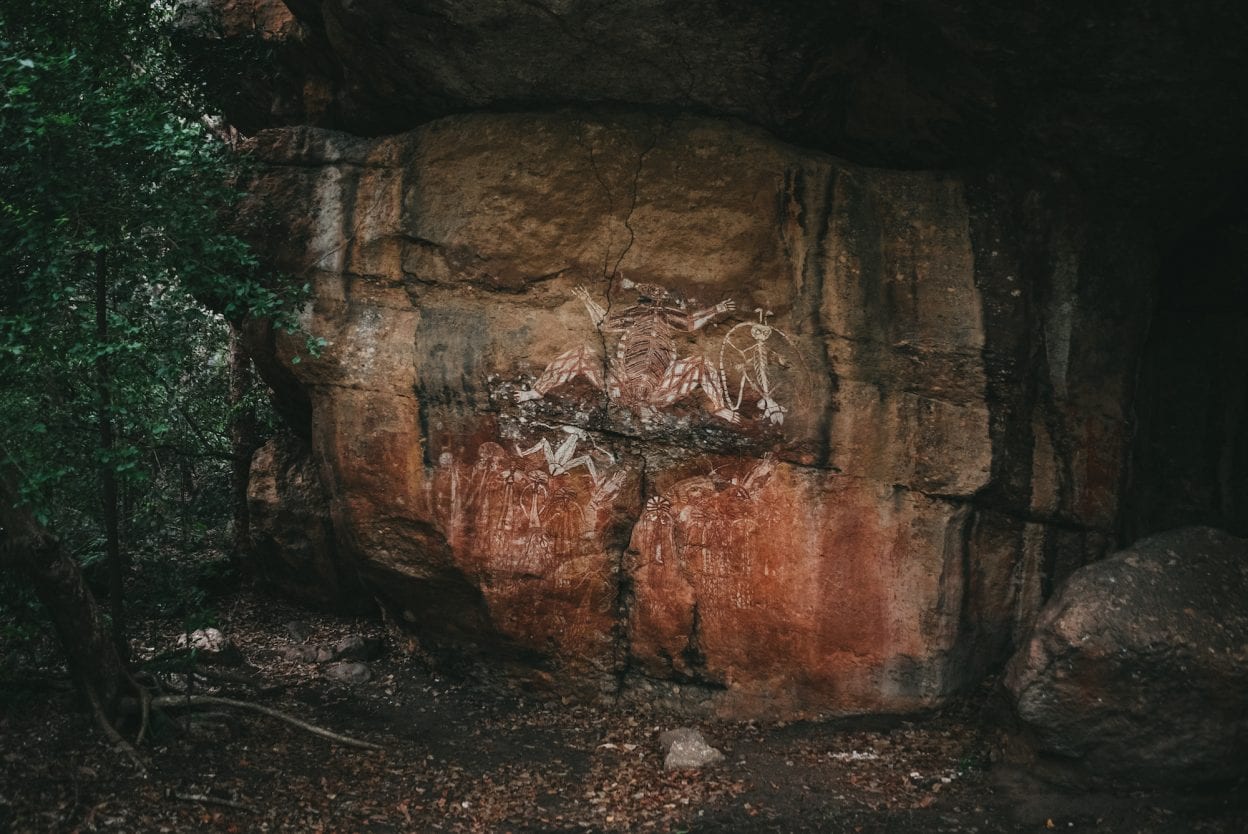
[930, 83]
[292, 542]
[619, 396]
[1138, 667]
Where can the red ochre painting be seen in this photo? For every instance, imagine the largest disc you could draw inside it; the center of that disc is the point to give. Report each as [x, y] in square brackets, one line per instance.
[734, 562]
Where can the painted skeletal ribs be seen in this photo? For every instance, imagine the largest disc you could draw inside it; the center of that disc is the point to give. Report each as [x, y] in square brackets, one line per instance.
[646, 374]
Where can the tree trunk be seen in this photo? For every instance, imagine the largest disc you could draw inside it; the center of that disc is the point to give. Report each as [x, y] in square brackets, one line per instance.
[26, 546]
[243, 441]
[108, 476]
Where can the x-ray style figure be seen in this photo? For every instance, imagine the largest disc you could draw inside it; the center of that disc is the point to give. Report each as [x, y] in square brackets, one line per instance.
[757, 360]
[646, 372]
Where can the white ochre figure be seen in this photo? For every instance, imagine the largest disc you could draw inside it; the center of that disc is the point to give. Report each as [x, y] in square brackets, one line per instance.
[645, 373]
[756, 362]
[563, 458]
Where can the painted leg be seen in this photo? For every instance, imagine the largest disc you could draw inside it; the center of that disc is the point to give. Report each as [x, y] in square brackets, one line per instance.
[685, 376]
[565, 368]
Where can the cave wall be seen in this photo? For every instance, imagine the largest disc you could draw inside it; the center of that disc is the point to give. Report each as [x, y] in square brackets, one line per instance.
[1189, 462]
[611, 397]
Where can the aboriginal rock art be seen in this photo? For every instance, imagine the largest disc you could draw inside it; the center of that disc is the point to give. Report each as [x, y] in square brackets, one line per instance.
[528, 511]
[758, 364]
[530, 520]
[646, 372]
[765, 362]
[710, 526]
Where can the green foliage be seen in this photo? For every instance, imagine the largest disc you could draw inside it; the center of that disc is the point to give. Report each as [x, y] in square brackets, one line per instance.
[182, 587]
[106, 151]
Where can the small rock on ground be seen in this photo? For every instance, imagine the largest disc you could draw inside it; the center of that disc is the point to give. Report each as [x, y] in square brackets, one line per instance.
[298, 630]
[355, 647]
[686, 749]
[300, 654]
[349, 672]
[211, 646]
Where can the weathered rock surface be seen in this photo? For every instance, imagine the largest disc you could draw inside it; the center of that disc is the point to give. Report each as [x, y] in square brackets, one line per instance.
[686, 749]
[351, 673]
[1138, 668]
[619, 395]
[292, 540]
[1120, 92]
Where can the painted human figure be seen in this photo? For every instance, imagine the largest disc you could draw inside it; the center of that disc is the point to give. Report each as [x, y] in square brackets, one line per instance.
[753, 361]
[563, 458]
[645, 373]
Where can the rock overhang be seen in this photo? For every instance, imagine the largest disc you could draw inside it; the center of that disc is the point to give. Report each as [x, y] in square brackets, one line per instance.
[1142, 100]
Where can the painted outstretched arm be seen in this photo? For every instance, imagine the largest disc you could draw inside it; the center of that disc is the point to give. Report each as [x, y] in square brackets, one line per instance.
[596, 312]
[698, 320]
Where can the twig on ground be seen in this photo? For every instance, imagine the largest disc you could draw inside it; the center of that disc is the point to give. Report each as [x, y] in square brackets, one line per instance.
[111, 733]
[176, 701]
[230, 676]
[212, 800]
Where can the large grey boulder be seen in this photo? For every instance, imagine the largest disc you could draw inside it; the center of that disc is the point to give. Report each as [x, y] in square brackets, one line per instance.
[1138, 666]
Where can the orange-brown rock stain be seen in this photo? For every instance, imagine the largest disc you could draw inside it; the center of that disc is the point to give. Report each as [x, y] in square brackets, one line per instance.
[1097, 474]
[537, 542]
[762, 573]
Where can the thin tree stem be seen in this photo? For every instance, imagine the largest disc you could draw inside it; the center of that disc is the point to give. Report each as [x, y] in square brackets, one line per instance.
[108, 476]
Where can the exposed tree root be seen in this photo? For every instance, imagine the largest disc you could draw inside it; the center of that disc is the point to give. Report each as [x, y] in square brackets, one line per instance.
[176, 701]
[110, 732]
[242, 678]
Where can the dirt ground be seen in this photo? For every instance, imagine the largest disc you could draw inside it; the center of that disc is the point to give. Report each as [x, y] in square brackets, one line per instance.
[465, 757]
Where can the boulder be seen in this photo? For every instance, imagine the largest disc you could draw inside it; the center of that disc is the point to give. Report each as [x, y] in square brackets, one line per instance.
[1138, 667]
[612, 395]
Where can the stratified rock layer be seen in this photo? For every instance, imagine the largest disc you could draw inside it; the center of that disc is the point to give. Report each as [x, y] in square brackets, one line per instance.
[623, 395]
[1138, 667]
